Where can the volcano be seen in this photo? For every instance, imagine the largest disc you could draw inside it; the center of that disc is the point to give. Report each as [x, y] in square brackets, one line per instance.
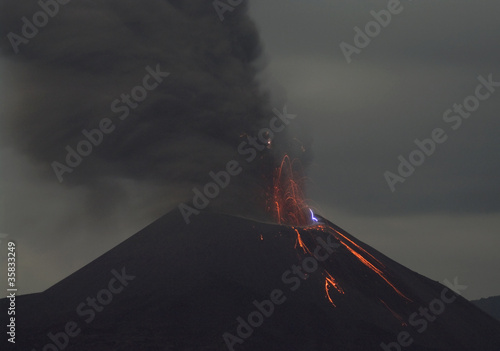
[229, 283]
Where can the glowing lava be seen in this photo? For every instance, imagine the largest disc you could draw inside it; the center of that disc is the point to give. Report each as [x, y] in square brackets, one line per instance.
[330, 281]
[289, 207]
[344, 241]
[300, 243]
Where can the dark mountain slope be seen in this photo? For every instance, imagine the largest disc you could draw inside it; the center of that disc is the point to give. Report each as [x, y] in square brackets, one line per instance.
[174, 286]
[490, 305]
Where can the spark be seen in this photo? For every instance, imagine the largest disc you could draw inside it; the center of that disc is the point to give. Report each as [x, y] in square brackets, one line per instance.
[312, 216]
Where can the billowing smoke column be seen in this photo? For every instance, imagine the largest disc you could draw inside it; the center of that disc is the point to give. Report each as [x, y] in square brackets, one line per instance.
[151, 91]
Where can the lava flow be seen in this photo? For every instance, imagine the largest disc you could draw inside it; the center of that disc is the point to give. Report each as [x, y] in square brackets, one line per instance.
[290, 208]
[288, 205]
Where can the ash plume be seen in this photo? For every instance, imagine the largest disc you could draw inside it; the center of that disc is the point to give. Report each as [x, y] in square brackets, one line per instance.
[64, 79]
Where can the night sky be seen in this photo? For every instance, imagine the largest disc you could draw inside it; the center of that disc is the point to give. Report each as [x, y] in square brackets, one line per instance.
[417, 77]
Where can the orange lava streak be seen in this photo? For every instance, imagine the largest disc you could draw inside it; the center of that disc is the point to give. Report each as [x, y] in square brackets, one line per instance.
[328, 293]
[365, 261]
[300, 243]
[359, 247]
[288, 206]
[333, 282]
[278, 212]
[329, 281]
[375, 269]
[397, 316]
[288, 202]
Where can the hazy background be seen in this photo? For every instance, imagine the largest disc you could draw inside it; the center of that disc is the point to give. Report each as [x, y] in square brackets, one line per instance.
[443, 221]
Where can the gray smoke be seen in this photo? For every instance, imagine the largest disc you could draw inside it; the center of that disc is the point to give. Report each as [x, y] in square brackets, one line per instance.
[65, 78]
